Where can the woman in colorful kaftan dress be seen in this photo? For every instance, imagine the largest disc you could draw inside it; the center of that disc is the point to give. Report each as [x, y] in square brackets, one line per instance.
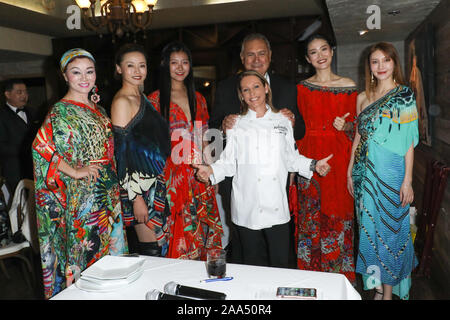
[142, 145]
[324, 223]
[79, 215]
[195, 219]
[380, 175]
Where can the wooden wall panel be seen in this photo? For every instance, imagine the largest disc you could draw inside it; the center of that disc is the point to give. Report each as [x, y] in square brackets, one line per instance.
[440, 148]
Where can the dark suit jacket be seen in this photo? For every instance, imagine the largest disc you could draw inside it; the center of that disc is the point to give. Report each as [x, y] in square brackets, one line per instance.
[284, 95]
[16, 138]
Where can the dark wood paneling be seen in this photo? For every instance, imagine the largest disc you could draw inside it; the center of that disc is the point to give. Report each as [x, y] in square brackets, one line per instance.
[440, 149]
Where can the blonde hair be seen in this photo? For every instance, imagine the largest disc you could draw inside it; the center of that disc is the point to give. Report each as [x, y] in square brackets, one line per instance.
[244, 105]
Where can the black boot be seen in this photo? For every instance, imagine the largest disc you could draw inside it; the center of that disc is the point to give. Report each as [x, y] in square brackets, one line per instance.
[149, 249]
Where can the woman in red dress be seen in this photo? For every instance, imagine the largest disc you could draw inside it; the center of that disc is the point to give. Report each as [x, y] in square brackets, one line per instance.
[324, 224]
[195, 221]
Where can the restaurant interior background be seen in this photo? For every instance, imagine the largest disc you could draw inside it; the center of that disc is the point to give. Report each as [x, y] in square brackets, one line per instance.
[34, 34]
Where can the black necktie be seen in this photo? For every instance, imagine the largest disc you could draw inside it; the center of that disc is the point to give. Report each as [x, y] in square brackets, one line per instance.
[19, 110]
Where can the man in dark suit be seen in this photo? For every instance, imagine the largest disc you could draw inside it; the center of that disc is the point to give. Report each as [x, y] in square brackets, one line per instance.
[17, 129]
[255, 55]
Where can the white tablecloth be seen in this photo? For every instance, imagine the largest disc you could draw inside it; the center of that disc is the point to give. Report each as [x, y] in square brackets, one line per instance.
[249, 283]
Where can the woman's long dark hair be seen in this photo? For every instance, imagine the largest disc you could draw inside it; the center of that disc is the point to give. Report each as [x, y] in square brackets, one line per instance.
[165, 85]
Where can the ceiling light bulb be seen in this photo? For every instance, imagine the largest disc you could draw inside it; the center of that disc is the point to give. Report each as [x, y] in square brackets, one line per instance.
[362, 32]
[151, 2]
[83, 4]
[140, 5]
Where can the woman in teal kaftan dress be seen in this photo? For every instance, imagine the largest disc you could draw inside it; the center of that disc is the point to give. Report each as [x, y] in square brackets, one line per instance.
[380, 174]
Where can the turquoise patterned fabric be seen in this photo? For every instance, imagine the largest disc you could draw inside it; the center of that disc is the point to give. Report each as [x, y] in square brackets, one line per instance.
[388, 127]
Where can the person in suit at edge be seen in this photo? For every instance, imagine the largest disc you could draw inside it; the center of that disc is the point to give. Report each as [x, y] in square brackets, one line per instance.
[255, 55]
[17, 130]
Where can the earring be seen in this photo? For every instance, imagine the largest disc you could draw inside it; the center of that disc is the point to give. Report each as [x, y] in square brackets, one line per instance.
[372, 81]
[395, 82]
[95, 98]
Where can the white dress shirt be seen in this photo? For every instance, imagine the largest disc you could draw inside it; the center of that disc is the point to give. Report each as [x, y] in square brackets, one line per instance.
[259, 154]
[266, 75]
[22, 115]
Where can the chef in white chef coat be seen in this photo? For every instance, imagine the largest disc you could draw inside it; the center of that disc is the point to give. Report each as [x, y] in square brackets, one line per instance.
[259, 154]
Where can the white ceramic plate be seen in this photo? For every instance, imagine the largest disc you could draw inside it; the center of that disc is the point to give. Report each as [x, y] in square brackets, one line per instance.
[87, 283]
[113, 267]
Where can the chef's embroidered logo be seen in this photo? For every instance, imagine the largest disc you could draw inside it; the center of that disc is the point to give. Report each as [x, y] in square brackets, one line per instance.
[280, 129]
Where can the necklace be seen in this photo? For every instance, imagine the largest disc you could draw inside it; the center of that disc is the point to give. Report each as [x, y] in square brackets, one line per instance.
[382, 93]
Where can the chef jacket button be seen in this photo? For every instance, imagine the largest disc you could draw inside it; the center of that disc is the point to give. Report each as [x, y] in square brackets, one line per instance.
[276, 209]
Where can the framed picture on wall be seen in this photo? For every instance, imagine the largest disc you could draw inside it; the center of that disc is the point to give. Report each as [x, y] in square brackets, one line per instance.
[421, 78]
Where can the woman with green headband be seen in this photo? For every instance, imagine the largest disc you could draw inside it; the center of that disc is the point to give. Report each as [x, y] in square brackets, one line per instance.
[77, 192]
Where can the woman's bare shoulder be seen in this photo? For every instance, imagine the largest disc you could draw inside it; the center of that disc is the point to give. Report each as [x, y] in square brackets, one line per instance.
[362, 95]
[121, 100]
[362, 102]
[347, 82]
[122, 109]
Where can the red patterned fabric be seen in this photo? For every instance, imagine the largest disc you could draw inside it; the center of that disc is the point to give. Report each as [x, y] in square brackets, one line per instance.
[325, 216]
[195, 220]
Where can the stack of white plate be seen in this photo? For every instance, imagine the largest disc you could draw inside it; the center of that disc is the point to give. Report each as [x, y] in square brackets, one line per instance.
[111, 273]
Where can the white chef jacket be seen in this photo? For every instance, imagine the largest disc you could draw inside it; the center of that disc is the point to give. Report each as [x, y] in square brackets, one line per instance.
[259, 154]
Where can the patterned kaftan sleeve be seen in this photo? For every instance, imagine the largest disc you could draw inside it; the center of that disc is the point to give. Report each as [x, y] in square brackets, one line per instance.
[154, 99]
[54, 132]
[50, 191]
[202, 116]
[398, 125]
[202, 112]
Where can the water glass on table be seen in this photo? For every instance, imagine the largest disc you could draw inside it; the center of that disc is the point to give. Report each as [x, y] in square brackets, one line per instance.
[216, 264]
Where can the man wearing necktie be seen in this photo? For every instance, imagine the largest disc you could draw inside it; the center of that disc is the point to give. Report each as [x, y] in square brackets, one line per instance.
[17, 129]
[256, 55]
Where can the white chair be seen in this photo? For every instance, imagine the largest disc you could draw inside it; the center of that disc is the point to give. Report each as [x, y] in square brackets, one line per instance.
[4, 190]
[22, 212]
